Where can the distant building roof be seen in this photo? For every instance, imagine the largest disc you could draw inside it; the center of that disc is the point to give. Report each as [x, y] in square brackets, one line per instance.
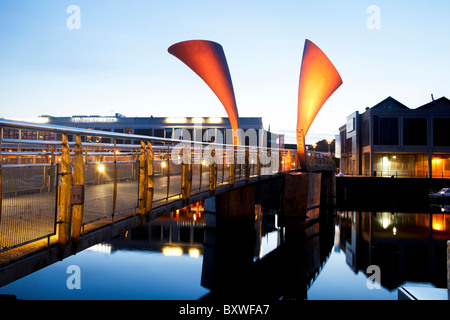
[390, 103]
[441, 103]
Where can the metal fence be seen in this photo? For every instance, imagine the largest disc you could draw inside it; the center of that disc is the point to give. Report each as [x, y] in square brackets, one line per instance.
[117, 178]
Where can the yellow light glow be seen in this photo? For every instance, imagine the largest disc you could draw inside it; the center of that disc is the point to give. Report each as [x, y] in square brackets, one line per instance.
[215, 120]
[385, 219]
[385, 223]
[101, 168]
[172, 251]
[436, 160]
[194, 253]
[163, 164]
[203, 162]
[194, 217]
[439, 222]
[394, 157]
[198, 120]
[176, 120]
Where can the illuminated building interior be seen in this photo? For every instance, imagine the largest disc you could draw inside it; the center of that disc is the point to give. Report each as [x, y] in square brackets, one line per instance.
[391, 139]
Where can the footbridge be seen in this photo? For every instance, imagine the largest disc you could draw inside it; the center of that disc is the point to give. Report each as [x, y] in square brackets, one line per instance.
[65, 189]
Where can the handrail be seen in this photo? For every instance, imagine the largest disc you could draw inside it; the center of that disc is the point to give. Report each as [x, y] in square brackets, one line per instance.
[105, 134]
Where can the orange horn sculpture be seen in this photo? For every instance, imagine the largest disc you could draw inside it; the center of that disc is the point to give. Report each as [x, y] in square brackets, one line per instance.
[207, 60]
[318, 81]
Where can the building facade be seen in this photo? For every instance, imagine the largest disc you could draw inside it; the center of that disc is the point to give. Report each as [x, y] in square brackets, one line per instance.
[205, 129]
[392, 139]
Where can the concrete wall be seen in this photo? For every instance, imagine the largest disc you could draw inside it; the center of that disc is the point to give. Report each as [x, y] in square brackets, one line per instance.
[363, 192]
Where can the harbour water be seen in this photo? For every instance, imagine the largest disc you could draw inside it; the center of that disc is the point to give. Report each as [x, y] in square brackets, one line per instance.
[173, 258]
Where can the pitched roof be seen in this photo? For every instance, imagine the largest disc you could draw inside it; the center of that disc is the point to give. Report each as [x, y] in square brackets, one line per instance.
[440, 103]
[390, 103]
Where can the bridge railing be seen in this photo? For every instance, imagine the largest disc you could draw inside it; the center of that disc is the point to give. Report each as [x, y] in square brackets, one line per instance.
[320, 158]
[57, 180]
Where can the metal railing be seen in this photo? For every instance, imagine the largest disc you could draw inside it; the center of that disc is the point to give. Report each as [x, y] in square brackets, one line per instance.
[401, 174]
[56, 187]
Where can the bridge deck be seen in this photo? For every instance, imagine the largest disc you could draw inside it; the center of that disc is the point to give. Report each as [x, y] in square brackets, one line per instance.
[25, 259]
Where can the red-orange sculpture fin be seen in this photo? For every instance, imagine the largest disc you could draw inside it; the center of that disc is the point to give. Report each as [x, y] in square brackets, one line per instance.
[319, 79]
[207, 60]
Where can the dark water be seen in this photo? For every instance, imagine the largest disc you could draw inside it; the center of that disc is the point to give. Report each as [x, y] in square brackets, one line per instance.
[177, 258]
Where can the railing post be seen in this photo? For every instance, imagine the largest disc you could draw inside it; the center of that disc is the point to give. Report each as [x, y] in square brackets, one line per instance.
[247, 164]
[1, 160]
[280, 161]
[115, 183]
[77, 192]
[186, 173]
[232, 167]
[258, 163]
[289, 161]
[142, 178]
[213, 172]
[150, 179]
[168, 172]
[65, 193]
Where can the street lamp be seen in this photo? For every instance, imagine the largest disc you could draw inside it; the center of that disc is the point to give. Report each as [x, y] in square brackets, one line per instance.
[329, 144]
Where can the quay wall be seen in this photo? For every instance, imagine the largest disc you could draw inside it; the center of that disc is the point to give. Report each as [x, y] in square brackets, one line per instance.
[373, 192]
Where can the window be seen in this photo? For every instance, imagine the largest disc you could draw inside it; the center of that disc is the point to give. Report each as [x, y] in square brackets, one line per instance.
[440, 132]
[144, 132]
[415, 131]
[106, 140]
[385, 131]
[168, 133]
[119, 141]
[159, 133]
[365, 133]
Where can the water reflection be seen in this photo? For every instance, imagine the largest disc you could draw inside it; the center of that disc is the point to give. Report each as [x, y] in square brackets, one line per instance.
[193, 254]
[406, 246]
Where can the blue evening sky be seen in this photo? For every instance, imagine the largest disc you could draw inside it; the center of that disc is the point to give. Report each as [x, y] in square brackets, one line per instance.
[118, 61]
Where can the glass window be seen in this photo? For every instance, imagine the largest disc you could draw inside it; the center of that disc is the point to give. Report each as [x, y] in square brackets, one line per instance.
[415, 131]
[440, 132]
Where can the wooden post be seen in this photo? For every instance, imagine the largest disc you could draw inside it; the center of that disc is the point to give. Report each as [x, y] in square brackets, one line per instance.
[289, 161]
[1, 159]
[258, 165]
[168, 173]
[300, 155]
[65, 194]
[77, 200]
[247, 164]
[280, 160]
[232, 167]
[213, 173]
[150, 180]
[186, 173]
[142, 178]
[115, 183]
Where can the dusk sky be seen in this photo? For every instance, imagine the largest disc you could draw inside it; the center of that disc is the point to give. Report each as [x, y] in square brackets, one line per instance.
[116, 59]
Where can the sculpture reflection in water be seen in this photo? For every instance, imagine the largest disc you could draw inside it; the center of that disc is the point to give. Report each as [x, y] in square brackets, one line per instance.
[236, 263]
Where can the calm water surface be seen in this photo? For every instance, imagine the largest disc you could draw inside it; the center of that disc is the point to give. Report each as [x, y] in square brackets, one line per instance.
[168, 261]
